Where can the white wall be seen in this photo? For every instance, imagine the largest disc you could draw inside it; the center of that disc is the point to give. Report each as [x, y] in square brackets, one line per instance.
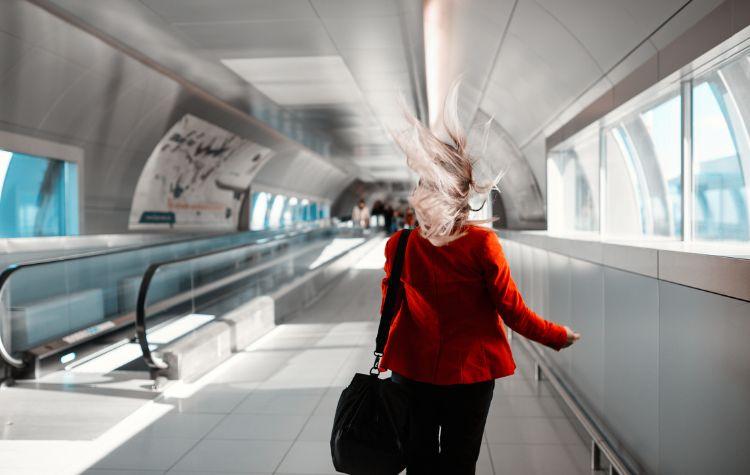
[664, 365]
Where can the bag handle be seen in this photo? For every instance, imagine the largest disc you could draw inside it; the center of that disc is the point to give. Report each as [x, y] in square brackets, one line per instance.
[391, 295]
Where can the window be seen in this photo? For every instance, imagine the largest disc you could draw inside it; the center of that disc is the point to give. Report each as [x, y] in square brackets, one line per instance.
[270, 210]
[643, 163]
[290, 211]
[38, 196]
[573, 185]
[259, 214]
[721, 153]
[277, 208]
[645, 191]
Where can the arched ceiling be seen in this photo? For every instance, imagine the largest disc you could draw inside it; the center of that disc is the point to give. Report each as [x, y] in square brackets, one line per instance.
[334, 67]
[325, 73]
[531, 63]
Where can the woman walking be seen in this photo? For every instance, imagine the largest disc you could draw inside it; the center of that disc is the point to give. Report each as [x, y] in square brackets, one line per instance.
[448, 342]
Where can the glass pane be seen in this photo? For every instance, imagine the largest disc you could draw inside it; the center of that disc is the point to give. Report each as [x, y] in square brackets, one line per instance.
[259, 209]
[644, 172]
[289, 211]
[38, 196]
[277, 208]
[721, 157]
[573, 185]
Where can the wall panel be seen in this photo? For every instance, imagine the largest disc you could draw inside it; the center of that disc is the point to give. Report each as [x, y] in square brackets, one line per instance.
[665, 367]
[704, 383]
[559, 303]
[631, 356]
[587, 356]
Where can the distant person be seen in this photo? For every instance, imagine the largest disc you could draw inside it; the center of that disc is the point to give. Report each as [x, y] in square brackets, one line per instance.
[409, 219]
[447, 342]
[377, 212]
[361, 215]
[388, 219]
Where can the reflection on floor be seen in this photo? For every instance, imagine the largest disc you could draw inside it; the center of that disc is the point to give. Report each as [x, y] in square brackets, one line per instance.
[269, 409]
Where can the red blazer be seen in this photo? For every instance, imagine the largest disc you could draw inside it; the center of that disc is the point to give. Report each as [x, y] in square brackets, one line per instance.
[448, 329]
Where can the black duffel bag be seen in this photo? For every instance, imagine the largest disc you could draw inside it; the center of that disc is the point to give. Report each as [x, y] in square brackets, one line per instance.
[371, 421]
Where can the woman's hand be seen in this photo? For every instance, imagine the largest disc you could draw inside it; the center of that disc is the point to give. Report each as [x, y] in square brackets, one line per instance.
[572, 336]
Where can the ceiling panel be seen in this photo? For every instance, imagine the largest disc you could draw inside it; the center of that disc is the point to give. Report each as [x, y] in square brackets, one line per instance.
[202, 11]
[287, 69]
[687, 17]
[299, 81]
[466, 48]
[604, 27]
[652, 14]
[375, 60]
[262, 39]
[355, 8]
[540, 69]
[363, 33]
[384, 82]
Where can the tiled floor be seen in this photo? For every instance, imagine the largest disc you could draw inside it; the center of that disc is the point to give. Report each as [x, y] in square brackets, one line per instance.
[269, 409]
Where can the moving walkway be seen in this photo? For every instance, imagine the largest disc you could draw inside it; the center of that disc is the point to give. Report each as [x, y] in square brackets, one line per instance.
[65, 311]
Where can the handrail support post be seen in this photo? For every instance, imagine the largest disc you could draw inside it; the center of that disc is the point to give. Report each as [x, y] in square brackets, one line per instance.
[596, 457]
[538, 373]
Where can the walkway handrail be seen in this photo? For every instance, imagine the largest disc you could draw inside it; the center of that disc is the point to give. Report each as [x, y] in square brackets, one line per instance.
[5, 275]
[141, 329]
[599, 443]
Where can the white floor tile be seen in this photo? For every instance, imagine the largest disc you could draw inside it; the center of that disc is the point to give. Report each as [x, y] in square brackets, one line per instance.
[259, 426]
[122, 472]
[298, 401]
[530, 430]
[539, 459]
[146, 453]
[182, 425]
[317, 429]
[214, 398]
[484, 465]
[523, 406]
[515, 386]
[234, 455]
[308, 458]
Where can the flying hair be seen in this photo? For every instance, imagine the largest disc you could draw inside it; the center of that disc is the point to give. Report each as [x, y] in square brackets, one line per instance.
[446, 171]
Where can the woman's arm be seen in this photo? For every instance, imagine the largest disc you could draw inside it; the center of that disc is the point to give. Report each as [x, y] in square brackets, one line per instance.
[510, 304]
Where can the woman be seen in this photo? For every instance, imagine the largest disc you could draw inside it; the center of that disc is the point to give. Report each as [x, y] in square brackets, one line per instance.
[447, 341]
[361, 215]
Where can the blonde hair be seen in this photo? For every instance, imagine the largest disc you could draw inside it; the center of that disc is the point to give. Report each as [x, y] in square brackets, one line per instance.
[446, 174]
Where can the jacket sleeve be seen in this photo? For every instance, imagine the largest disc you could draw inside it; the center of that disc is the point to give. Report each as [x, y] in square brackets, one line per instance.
[510, 304]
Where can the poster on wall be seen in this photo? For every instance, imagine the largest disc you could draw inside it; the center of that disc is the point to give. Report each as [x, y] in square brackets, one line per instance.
[196, 178]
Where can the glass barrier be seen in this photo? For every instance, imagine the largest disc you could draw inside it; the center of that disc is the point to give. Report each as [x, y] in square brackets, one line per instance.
[76, 298]
[205, 287]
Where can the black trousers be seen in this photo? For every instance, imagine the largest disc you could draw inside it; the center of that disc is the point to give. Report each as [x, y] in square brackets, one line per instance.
[447, 423]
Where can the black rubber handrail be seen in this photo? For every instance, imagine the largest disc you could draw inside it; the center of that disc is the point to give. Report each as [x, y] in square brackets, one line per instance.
[141, 329]
[5, 275]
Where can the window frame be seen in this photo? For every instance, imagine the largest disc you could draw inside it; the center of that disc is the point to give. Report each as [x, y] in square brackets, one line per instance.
[27, 145]
[682, 85]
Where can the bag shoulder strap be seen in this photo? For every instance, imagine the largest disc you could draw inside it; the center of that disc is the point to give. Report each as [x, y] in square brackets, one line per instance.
[391, 295]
